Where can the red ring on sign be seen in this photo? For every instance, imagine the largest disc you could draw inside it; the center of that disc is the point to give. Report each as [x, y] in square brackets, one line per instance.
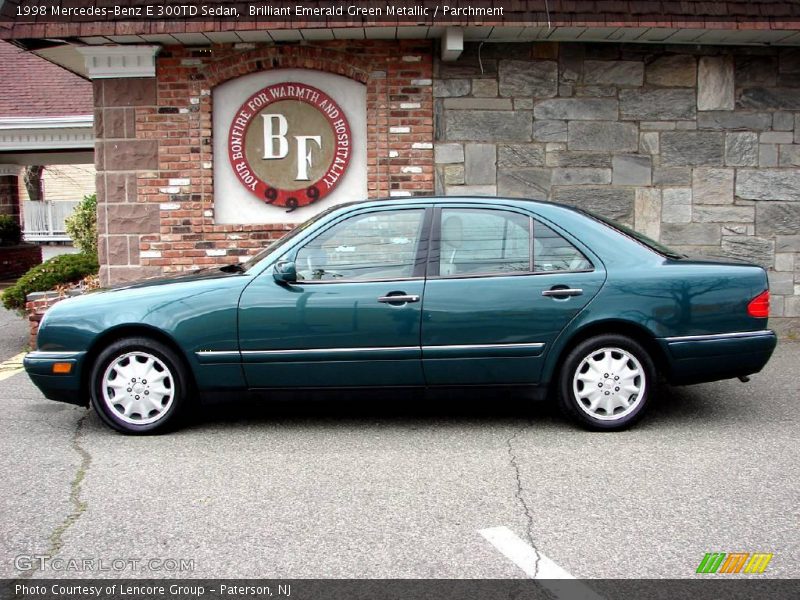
[315, 190]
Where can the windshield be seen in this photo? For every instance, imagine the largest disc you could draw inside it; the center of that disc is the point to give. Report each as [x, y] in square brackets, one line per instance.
[632, 233]
[254, 260]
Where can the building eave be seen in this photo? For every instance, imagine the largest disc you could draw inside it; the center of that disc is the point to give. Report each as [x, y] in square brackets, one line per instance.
[18, 134]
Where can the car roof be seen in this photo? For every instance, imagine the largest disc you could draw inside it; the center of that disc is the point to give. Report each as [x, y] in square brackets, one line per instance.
[482, 200]
[608, 242]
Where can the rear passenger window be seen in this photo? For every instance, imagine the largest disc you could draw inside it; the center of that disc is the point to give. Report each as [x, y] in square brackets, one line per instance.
[484, 242]
[551, 252]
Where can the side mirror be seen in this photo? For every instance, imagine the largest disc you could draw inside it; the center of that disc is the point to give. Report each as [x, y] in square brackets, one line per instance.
[284, 271]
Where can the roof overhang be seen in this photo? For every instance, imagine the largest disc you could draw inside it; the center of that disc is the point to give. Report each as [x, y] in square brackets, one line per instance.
[101, 56]
[688, 33]
[22, 134]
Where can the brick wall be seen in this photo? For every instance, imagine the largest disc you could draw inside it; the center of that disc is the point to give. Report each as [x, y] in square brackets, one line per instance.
[36, 304]
[696, 147]
[154, 155]
[16, 260]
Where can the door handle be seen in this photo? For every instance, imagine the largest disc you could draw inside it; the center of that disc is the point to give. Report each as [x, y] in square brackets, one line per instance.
[557, 292]
[398, 298]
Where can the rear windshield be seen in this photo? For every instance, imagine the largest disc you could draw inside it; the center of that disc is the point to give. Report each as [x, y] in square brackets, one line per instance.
[632, 233]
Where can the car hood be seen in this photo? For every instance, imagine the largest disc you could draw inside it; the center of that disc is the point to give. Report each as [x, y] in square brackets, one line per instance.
[185, 276]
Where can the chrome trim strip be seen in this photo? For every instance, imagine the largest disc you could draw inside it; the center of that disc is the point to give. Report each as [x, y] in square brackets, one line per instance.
[333, 350]
[301, 282]
[534, 346]
[41, 354]
[507, 274]
[719, 336]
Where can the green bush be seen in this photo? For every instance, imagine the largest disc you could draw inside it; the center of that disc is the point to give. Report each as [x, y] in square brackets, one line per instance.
[10, 231]
[59, 270]
[81, 225]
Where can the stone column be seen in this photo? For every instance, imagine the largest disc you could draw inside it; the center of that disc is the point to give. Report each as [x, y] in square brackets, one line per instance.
[124, 92]
[9, 191]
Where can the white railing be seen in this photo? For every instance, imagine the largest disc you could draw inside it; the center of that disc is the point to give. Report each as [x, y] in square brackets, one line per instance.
[44, 221]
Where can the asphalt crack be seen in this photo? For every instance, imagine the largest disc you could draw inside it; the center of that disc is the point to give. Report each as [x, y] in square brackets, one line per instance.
[519, 494]
[78, 506]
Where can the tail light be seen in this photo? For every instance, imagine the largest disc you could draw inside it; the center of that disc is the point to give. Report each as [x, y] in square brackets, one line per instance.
[759, 306]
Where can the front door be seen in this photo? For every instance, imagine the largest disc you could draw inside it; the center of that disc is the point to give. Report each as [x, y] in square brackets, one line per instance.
[501, 286]
[353, 316]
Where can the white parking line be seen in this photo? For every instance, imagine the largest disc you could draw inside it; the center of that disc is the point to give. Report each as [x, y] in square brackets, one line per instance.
[12, 366]
[536, 565]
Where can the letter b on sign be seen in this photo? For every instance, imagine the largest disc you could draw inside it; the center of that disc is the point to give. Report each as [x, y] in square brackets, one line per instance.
[270, 137]
[304, 160]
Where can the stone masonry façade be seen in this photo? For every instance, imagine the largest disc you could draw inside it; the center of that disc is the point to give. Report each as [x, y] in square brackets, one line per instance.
[698, 147]
[154, 150]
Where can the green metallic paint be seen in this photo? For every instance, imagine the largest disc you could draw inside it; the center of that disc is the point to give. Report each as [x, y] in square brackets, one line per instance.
[194, 312]
[445, 339]
[325, 315]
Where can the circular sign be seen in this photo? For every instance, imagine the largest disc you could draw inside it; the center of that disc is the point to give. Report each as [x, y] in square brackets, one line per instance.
[289, 144]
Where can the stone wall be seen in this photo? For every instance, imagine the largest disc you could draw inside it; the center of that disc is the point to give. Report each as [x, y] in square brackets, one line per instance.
[698, 147]
[154, 154]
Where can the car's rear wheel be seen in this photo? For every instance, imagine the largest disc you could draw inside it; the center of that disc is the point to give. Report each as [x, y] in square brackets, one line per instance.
[606, 382]
[138, 386]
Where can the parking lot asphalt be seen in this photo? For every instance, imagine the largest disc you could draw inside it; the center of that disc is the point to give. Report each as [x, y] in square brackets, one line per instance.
[14, 331]
[401, 487]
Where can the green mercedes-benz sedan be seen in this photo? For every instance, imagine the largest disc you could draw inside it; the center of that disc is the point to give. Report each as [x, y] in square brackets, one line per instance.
[416, 292]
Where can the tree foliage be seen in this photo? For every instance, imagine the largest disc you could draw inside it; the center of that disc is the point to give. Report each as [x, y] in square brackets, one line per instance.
[81, 225]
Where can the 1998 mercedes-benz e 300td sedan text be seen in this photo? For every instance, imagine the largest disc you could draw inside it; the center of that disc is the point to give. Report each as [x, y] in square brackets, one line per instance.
[416, 292]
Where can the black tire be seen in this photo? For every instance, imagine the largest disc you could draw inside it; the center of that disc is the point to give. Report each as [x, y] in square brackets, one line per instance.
[632, 359]
[130, 355]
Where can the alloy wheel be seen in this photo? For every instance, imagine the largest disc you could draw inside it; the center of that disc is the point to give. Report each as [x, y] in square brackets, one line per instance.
[609, 383]
[138, 388]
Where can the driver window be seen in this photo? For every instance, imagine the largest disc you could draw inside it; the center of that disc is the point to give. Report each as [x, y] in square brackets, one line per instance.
[378, 245]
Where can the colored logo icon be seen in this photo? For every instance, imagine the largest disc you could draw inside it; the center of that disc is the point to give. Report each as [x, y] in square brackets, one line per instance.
[289, 144]
[734, 562]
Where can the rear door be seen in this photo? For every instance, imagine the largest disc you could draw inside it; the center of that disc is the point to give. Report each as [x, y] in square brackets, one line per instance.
[501, 286]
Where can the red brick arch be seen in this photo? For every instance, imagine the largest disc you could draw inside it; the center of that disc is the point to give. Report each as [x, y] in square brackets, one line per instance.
[328, 59]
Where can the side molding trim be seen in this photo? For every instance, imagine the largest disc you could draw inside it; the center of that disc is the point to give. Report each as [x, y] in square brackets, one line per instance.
[714, 337]
[373, 353]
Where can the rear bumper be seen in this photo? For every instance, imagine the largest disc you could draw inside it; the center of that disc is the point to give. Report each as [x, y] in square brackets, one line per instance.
[698, 358]
[62, 388]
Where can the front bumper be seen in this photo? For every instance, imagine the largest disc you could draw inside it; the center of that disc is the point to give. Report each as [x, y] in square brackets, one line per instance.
[699, 358]
[62, 388]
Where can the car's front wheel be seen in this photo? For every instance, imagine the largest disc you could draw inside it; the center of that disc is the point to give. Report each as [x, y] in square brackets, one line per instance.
[138, 386]
[606, 382]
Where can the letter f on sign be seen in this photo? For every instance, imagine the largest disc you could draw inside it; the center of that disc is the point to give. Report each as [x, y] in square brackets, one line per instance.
[270, 137]
[304, 155]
